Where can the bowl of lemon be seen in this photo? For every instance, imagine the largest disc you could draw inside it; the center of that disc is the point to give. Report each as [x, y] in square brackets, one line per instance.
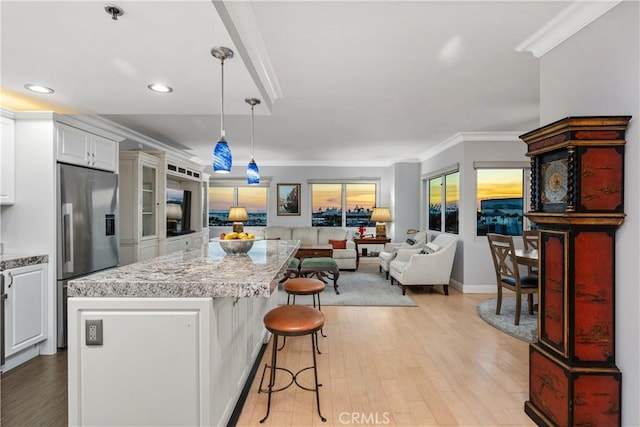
[236, 243]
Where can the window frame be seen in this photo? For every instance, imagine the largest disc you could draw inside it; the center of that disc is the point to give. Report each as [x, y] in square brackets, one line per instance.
[426, 182]
[235, 185]
[343, 195]
[526, 188]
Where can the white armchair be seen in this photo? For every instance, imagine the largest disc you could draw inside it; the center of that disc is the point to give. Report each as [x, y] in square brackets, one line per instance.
[391, 249]
[420, 269]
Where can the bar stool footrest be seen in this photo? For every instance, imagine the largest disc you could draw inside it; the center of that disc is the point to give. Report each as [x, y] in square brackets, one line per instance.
[294, 379]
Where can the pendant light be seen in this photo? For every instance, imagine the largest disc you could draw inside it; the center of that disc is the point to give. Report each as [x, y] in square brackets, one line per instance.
[222, 153]
[253, 173]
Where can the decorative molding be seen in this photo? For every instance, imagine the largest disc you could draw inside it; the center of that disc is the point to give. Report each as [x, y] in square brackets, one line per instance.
[569, 21]
[126, 133]
[240, 21]
[469, 137]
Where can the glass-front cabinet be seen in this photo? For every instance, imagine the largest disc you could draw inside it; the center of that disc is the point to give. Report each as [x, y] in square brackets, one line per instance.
[149, 195]
[141, 189]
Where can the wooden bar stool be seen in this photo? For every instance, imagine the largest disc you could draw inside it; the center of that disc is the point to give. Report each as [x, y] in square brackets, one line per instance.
[304, 286]
[292, 321]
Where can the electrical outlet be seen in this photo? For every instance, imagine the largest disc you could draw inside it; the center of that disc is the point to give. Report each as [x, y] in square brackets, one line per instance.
[93, 331]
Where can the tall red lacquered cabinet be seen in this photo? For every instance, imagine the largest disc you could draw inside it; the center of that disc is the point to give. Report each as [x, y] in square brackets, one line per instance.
[577, 202]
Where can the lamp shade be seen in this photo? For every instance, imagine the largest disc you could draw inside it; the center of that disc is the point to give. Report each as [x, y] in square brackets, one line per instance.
[174, 211]
[381, 215]
[222, 157]
[253, 173]
[237, 213]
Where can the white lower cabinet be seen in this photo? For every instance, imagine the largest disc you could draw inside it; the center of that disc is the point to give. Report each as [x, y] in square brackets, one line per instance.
[162, 361]
[25, 307]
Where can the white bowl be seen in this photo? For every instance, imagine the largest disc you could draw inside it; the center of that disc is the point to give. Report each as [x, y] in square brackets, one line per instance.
[235, 246]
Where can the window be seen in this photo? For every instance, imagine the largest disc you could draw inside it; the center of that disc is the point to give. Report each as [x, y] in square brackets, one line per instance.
[342, 204]
[499, 194]
[254, 199]
[444, 191]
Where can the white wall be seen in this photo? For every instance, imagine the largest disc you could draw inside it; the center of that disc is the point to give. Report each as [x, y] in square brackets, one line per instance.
[473, 268]
[405, 200]
[596, 72]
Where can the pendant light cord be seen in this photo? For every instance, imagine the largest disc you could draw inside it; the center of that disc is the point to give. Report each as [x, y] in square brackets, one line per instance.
[252, 133]
[222, 99]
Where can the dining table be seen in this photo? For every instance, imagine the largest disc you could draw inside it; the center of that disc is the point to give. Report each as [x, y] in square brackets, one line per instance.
[528, 257]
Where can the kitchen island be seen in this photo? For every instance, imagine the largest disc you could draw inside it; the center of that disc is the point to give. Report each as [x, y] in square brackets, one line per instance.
[170, 340]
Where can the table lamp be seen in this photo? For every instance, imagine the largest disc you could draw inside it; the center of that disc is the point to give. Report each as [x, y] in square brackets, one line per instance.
[237, 214]
[174, 216]
[380, 216]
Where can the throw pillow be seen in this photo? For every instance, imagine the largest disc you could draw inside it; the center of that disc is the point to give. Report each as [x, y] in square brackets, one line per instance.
[410, 242]
[430, 248]
[338, 244]
[405, 254]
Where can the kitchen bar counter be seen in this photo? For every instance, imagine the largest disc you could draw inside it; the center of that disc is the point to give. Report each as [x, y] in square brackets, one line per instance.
[170, 340]
[9, 261]
[199, 272]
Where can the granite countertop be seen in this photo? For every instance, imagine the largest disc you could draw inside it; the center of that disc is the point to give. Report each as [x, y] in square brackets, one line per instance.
[9, 261]
[205, 271]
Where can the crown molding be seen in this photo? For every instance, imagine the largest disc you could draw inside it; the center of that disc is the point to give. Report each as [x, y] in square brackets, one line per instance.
[470, 137]
[569, 21]
[240, 21]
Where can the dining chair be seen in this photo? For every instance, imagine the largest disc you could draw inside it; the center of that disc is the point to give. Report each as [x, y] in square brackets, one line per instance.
[508, 275]
[530, 239]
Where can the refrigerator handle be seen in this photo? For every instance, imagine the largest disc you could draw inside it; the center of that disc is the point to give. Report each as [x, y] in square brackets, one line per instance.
[67, 233]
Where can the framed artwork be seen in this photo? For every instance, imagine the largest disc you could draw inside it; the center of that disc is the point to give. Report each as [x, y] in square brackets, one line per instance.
[288, 199]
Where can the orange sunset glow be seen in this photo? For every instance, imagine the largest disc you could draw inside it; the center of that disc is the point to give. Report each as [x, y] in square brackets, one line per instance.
[327, 196]
[498, 183]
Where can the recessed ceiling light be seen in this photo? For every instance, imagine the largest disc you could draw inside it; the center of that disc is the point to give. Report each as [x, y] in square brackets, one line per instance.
[160, 88]
[38, 88]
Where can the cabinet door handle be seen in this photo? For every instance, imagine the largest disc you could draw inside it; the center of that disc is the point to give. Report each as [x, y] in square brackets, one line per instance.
[10, 280]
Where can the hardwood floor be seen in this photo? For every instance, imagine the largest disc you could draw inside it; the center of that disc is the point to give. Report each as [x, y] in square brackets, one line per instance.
[35, 393]
[436, 364]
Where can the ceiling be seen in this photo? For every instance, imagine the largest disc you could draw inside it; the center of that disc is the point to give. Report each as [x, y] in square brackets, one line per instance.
[342, 82]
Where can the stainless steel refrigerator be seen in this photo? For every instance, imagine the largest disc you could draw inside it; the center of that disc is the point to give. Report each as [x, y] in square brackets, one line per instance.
[87, 230]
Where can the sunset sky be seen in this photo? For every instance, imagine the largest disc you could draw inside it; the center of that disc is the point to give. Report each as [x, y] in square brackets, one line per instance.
[329, 196]
[499, 183]
[254, 199]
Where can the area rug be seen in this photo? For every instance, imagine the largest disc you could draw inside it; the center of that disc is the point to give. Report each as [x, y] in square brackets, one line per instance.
[527, 330]
[365, 286]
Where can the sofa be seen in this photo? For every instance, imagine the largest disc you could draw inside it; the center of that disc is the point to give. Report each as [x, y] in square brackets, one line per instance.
[345, 258]
[391, 250]
[430, 265]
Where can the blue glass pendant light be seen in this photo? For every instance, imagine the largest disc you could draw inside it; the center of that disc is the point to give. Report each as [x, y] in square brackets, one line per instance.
[253, 173]
[222, 159]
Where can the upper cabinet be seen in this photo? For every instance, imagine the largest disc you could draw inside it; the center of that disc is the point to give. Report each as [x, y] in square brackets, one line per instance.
[7, 161]
[86, 149]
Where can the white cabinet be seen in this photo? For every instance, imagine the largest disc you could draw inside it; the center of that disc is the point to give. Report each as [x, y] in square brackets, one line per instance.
[84, 148]
[141, 206]
[7, 161]
[25, 307]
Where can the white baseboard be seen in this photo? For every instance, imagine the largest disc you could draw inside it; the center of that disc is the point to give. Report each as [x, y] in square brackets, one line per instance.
[473, 289]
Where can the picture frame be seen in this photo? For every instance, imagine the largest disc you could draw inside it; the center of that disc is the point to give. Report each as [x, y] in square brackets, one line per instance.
[288, 199]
